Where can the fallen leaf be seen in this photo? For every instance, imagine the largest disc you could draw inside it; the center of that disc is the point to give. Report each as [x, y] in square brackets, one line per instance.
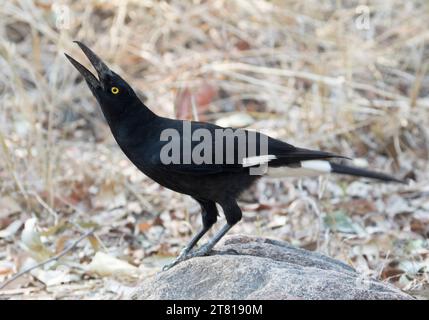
[340, 222]
[6, 268]
[144, 226]
[109, 196]
[202, 95]
[183, 104]
[11, 229]
[54, 277]
[31, 241]
[106, 265]
[242, 45]
[95, 244]
[205, 94]
[391, 273]
[60, 245]
[277, 222]
[118, 288]
[359, 206]
[8, 205]
[358, 189]
[396, 204]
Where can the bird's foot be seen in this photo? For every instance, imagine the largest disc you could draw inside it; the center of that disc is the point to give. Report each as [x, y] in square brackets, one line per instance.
[201, 252]
[182, 257]
[185, 254]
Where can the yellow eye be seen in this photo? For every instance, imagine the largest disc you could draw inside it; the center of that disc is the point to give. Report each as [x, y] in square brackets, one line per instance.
[115, 90]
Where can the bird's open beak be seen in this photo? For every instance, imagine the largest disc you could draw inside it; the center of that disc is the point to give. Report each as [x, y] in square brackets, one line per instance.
[102, 70]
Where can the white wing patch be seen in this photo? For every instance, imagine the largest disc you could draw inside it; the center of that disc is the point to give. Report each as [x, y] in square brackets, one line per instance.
[257, 160]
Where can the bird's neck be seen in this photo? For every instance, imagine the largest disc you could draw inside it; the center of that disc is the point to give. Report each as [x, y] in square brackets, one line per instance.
[141, 111]
[134, 115]
[134, 109]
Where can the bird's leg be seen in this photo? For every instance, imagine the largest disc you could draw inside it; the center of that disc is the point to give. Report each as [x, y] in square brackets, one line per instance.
[183, 254]
[206, 248]
[209, 216]
[233, 215]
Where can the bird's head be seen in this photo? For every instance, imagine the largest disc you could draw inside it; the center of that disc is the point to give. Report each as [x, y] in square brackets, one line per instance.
[113, 93]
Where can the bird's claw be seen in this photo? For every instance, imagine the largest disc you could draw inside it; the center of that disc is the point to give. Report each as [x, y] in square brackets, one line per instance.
[185, 255]
[182, 257]
[170, 265]
[203, 251]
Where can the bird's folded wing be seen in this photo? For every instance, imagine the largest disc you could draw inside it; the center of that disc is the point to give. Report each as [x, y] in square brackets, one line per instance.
[200, 169]
[277, 154]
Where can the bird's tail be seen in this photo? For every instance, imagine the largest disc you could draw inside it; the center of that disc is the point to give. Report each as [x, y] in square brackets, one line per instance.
[317, 167]
[360, 172]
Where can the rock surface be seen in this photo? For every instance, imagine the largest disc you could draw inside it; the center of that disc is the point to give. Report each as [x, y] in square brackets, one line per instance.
[257, 268]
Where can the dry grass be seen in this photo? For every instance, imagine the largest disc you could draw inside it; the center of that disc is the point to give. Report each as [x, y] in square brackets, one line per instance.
[304, 71]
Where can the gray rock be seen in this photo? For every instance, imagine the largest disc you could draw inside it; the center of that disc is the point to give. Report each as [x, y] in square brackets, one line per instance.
[258, 268]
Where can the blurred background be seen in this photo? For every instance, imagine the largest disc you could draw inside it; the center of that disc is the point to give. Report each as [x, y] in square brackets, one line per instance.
[349, 77]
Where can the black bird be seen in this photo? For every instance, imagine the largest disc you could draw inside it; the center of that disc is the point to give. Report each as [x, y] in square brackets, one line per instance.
[209, 168]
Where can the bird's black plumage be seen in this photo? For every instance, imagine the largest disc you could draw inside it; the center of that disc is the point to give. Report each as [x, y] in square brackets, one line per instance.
[138, 132]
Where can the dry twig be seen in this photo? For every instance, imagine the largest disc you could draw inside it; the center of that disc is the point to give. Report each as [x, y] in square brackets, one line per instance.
[54, 258]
